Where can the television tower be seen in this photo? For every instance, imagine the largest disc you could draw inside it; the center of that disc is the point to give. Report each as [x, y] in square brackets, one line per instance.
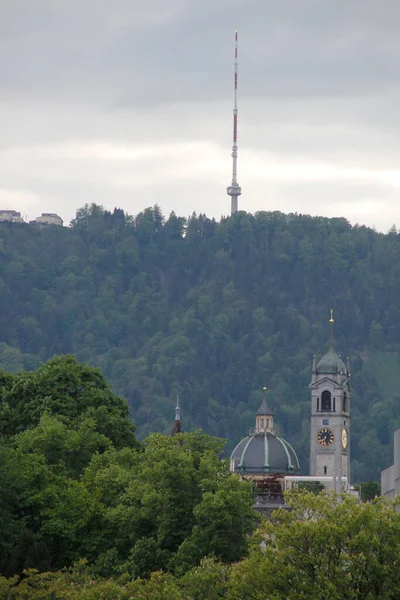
[234, 190]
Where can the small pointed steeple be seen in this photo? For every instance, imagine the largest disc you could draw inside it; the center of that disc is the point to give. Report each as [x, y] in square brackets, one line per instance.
[264, 416]
[348, 367]
[177, 410]
[176, 428]
[331, 323]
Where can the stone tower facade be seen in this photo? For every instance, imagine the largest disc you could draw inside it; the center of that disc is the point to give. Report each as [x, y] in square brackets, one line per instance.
[330, 415]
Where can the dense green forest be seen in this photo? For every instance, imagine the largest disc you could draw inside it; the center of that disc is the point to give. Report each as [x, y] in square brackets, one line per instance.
[212, 311]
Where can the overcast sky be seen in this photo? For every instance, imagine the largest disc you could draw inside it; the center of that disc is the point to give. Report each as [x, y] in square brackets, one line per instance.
[128, 103]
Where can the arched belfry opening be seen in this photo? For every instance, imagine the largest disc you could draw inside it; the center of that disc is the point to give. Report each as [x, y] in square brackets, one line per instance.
[326, 401]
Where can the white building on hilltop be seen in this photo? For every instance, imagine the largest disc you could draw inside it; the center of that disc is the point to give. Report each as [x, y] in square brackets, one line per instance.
[11, 216]
[48, 219]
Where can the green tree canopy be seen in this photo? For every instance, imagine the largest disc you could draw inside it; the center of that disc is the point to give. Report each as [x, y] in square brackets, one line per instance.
[73, 392]
[324, 549]
[180, 505]
[75, 484]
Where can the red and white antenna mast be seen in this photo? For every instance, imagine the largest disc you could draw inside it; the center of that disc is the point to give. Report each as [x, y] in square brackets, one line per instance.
[234, 190]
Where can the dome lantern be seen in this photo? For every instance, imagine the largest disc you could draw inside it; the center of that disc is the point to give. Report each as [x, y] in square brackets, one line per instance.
[264, 416]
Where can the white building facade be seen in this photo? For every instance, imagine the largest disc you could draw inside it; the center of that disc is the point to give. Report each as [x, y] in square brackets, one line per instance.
[49, 219]
[11, 216]
[390, 477]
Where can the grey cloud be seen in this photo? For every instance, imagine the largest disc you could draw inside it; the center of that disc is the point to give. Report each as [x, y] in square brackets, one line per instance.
[179, 48]
[318, 84]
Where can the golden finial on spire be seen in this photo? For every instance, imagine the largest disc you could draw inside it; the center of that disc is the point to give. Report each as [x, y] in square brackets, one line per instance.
[331, 322]
[264, 388]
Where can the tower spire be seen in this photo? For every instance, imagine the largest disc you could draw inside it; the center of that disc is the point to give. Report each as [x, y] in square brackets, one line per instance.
[176, 428]
[331, 323]
[234, 190]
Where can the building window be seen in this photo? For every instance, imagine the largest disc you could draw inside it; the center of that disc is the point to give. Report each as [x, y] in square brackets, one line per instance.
[317, 404]
[267, 423]
[334, 404]
[325, 421]
[326, 401]
[345, 403]
[325, 470]
[261, 422]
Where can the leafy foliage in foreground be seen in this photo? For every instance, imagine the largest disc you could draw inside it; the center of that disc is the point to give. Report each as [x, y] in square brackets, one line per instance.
[322, 549]
[209, 581]
[76, 484]
[212, 311]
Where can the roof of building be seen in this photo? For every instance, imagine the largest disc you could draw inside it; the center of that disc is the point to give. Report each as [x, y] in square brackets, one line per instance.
[331, 362]
[264, 408]
[264, 452]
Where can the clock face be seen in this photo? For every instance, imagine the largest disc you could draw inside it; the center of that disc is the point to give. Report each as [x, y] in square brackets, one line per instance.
[344, 438]
[325, 437]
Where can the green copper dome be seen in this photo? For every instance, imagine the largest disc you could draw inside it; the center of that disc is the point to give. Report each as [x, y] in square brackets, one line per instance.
[264, 452]
[331, 363]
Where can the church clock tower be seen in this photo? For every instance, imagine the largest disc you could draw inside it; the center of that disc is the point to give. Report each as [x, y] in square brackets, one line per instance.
[330, 414]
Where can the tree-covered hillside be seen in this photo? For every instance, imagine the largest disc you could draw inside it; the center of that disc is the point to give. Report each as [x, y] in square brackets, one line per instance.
[212, 311]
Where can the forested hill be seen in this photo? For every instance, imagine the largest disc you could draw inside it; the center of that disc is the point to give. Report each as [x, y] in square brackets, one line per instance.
[212, 311]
